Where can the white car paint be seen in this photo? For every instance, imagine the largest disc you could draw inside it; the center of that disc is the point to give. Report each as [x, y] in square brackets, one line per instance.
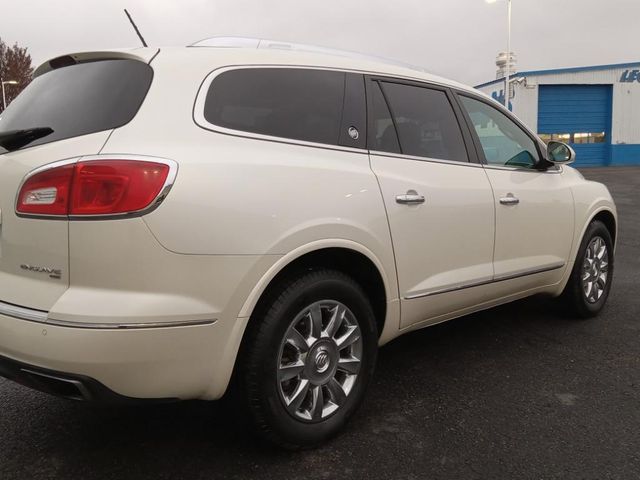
[243, 207]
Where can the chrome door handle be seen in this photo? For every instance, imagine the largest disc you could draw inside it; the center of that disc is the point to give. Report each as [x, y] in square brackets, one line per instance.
[509, 199]
[410, 198]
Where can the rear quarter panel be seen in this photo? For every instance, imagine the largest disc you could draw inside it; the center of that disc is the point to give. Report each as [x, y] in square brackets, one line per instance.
[242, 196]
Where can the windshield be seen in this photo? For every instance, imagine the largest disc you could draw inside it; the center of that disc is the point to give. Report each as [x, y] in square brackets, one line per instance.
[79, 99]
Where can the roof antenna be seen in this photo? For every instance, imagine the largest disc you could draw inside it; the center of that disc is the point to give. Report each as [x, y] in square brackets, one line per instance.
[136, 28]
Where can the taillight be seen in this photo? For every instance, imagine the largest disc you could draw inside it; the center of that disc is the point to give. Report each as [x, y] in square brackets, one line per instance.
[95, 187]
[108, 187]
[47, 192]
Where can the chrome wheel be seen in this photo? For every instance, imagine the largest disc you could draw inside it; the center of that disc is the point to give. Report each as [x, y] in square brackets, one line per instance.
[595, 269]
[319, 360]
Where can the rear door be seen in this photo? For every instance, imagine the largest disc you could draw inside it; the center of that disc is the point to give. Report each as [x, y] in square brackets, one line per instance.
[81, 103]
[438, 198]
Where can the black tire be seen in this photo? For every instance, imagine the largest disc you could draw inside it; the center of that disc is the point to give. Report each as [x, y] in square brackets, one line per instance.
[262, 350]
[573, 297]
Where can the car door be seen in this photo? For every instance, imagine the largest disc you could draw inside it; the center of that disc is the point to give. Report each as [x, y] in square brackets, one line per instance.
[534, 208]
[438, 199]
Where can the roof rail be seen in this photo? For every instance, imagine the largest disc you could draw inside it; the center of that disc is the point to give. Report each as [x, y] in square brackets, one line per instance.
[261, 43]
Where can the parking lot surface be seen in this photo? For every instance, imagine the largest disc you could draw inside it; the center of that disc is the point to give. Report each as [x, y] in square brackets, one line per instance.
[517, 391]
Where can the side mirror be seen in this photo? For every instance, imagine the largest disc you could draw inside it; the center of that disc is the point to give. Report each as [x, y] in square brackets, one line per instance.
[560, 153]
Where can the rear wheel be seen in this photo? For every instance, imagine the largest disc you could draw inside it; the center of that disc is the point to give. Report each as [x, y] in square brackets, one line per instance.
[588, 287]
[308, 359]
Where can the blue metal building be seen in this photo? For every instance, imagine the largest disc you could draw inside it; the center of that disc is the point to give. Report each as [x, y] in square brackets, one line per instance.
[595, 109]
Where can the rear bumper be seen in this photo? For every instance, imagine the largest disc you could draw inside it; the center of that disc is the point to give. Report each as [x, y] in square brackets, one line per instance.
[142, 321]
[63, 384]
[113, 364]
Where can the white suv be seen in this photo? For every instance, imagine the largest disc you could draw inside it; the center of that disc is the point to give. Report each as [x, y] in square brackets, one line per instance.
[174, 218]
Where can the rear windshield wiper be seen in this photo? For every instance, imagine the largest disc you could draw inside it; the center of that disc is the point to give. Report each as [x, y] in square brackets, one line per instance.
[15, 139]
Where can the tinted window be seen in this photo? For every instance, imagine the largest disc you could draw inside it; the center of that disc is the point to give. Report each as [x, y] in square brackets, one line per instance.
[426, 124]
[80, 99]
[302, 104]
[353, 131]
[383, 132]
[503, 141]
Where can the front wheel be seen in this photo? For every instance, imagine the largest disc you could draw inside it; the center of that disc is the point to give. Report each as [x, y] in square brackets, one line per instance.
[308, 358]
[589, 285]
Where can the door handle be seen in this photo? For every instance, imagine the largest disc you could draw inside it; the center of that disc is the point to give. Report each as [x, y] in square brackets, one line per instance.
[509, 199]
[410, 198]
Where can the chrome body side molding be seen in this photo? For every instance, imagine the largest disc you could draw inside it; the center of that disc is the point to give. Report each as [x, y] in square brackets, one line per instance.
[39, 316]
[479, 283]
[22, 313]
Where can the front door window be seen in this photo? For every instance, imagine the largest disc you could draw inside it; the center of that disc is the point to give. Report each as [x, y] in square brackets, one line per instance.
[504, 143]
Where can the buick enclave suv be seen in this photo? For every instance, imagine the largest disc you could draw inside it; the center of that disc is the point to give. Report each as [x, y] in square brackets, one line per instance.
[173, 219]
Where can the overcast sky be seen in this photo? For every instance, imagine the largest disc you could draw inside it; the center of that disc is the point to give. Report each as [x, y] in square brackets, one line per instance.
[455, 38]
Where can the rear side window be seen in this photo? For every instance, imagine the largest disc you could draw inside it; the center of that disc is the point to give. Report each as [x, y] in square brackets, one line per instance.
[383, 131]
[80, 99]
[425, 122]
[300, 104]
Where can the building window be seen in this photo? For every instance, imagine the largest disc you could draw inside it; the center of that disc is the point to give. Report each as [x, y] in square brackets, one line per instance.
[597, 137]
[581, 137]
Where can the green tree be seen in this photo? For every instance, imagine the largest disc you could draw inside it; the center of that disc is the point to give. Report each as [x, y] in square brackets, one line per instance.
[15, 64]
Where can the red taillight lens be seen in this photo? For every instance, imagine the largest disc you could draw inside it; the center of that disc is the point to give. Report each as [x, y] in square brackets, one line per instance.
[94, 187]
[106, 187]
[47, 192]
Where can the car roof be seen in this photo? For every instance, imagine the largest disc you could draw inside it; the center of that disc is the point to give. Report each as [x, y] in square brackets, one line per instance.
[231, 51]
[276, 50]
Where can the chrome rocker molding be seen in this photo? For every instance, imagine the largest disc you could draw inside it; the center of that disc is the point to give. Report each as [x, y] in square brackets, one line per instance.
[479, 283]
[40, 316]
[130, 326]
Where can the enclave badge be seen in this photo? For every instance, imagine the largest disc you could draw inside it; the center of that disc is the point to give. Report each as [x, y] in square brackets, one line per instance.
[52, 272]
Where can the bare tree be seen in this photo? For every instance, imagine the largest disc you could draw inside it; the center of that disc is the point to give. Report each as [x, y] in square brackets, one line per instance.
[15, 65]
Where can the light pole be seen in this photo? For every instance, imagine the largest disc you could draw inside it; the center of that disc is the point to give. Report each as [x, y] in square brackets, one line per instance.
[508, 64]
[4, 98]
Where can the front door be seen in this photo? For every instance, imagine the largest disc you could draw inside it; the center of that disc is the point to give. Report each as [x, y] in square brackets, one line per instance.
[439, 203]
[534, 209]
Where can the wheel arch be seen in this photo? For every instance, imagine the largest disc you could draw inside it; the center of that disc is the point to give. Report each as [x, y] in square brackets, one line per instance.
[608, 218]
[593, 201]
[387, 309]
[345, 256]
[605, 213]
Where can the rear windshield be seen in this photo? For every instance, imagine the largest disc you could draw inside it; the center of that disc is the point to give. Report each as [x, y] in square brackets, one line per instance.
[79, 99]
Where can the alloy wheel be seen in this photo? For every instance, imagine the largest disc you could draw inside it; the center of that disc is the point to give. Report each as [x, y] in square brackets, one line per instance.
[595, 269]
[319, 361]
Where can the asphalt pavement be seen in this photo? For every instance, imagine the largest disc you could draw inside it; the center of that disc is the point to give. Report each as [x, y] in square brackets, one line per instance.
[515, 392]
